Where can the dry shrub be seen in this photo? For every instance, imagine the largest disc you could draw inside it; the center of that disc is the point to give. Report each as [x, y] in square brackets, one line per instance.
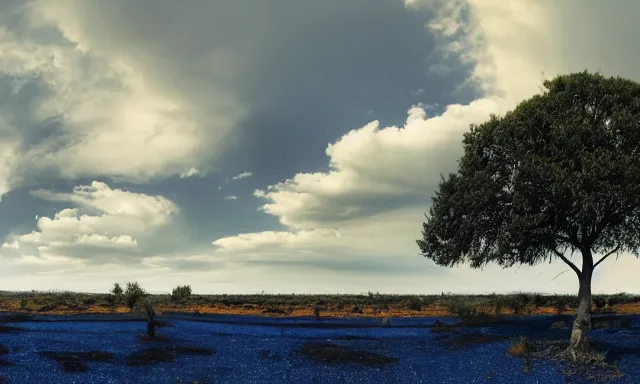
[559, 325]
[519, 347]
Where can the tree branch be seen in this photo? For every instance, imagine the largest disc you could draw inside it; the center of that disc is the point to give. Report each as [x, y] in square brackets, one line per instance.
[607, 255]
[569, 263]
[566, 270]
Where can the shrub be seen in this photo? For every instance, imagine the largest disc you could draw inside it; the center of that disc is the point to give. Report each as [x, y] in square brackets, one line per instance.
[116, 295]
[151, 318]
[116, 290]
[463, 310]
[599, 302]
[559, 325]
[24, 304]
[415, 304]
[132, 294]
[519, 347]
[517, 303]
[498, 303]
[181, 293]
[560, 304]
[538, 301]
[67, 299]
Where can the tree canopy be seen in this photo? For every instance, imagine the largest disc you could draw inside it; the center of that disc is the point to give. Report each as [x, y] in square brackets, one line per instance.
[561, 172]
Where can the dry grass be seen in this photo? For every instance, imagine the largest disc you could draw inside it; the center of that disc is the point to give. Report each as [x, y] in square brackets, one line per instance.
[336, 306]
[519, 347]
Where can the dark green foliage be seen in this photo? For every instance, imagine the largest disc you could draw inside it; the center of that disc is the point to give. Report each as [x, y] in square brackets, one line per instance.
[518, 303]
[560, 304]
[539, 300]
[132, 294]
[51, 301]
[117, 289]
[181, 293]
[24, 304]
[498, 302]
[151, 318]
[599, 302]
[415, 304]
[561, 171]
[463, 309]
[116, 295]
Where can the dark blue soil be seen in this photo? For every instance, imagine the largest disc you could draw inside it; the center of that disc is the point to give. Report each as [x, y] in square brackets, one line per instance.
[269, 350]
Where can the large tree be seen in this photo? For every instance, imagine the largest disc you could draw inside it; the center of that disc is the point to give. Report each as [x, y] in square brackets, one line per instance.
[558, 175]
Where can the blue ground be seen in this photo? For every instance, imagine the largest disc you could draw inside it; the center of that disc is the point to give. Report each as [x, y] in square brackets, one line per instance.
[267, 350]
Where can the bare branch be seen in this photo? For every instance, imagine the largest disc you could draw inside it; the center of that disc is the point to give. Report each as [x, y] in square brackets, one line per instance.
[569, 263]
[566, 270]
[607, 255]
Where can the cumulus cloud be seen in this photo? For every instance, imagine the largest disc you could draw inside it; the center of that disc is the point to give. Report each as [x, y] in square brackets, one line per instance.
[242, 175]
[104, 222]
[374, 171]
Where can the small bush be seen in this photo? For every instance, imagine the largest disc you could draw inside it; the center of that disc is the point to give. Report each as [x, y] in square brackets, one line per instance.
[498, 302]
[599, 303]
[132, 294]
[517, 303]
[559, 325]
[463, 310]
[539, 301]
[151, 318]
[415, 304]
[24, 304]
[560, 304]
[116, 290]
[274, 310]
[181, 293]
[519, 347]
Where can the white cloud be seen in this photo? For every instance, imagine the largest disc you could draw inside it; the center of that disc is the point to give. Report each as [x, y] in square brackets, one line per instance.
[375, 170]
[231, 197]
[125, 98]
[120, 111]
[242, 175]
[380, 172]
[256, 241]
[104, 220]
[188, 173]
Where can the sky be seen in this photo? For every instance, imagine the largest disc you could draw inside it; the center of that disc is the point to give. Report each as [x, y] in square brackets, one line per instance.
[282, 146]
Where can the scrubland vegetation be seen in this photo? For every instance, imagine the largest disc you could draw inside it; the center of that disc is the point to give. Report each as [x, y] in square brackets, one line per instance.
[372, 304]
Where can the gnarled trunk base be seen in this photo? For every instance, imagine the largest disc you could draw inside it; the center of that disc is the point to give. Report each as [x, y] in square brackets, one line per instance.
[579, 343]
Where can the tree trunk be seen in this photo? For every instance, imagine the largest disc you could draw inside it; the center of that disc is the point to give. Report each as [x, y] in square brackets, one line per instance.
[582, 325]
[151, 328]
